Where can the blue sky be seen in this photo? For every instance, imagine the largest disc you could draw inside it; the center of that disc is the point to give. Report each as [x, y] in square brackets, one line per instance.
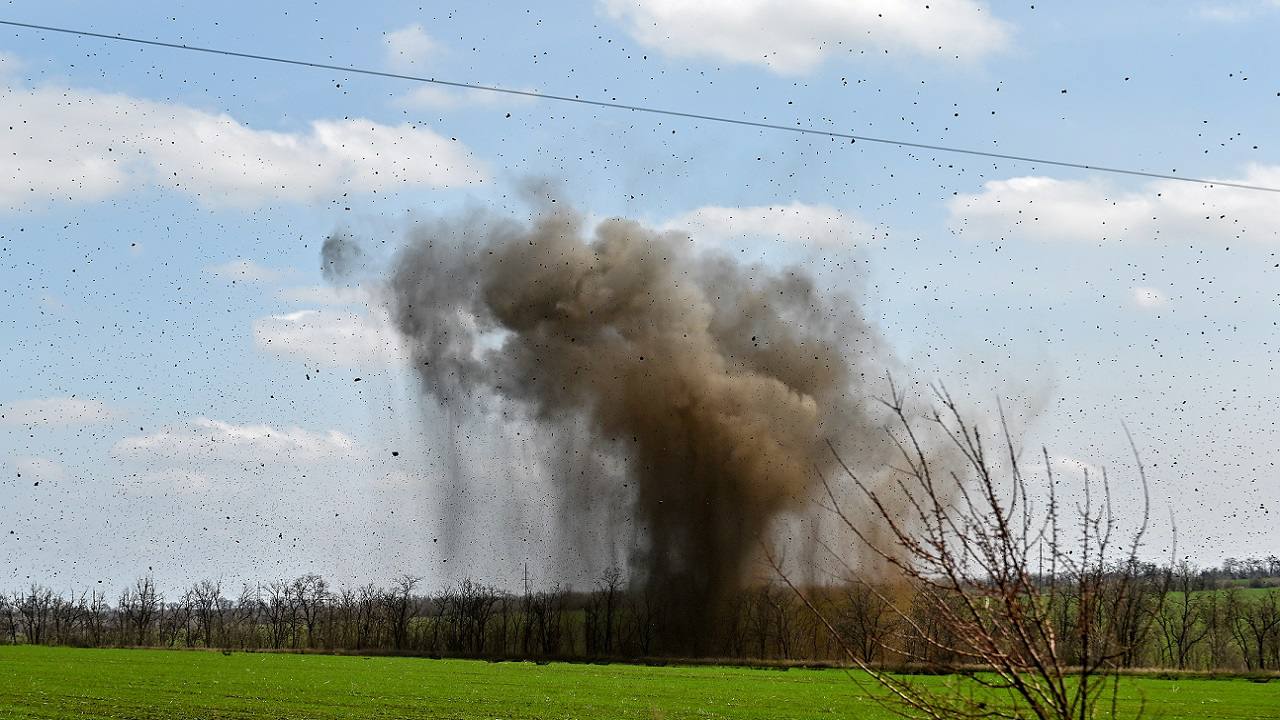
[180, 383]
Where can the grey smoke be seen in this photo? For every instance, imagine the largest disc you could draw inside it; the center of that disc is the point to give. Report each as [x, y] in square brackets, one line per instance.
[341, 256]
[712, 384]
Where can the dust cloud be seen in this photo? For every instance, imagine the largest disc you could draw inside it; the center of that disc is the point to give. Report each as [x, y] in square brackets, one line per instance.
[708, 386]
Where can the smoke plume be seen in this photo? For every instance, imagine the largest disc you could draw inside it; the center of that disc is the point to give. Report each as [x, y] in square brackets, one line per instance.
[713, 385]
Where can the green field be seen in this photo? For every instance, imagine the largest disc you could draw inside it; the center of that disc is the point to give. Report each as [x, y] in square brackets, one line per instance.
[39, 682]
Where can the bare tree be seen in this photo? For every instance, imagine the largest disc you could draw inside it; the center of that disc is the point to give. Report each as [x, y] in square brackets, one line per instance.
[204, 599]
[780, 611]
[212, 612]
[245, 616]
[137, 609]
[646, 617]
[1258, 625]
[173, 621]
[963, 536]
[609, 587]
[1131, 607]
[1215, 611]
[593, 622]
[470, 608]
[66, 616]
[281, 612]
[9, 616]
[501, 632]
[97, 613]
[400, 609]
[865, 620]
[760, 619]
[34, 610]
[311, 594]
[1184, 622]
[548, 619]
[368, 615]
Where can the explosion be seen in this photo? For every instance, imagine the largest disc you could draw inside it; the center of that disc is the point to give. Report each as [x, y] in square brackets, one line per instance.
[712, 384]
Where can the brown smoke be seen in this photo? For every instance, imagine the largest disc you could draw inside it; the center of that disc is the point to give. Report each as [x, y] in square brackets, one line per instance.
[714, 384]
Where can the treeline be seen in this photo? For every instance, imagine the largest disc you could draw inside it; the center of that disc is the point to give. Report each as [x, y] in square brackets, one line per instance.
[1179, 617]
[1251, 572]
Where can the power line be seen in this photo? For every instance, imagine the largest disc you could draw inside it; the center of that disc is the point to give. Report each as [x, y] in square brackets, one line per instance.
[638, 108]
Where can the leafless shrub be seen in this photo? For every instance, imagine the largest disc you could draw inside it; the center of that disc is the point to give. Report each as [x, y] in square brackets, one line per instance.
[1032, 611]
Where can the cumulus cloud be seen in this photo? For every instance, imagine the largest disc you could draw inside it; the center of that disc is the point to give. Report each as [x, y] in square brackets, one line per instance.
[86, 145]
[324, 295]
[1067, 467]
[206, 439]
[170, 480]
[409, 47]
[1149, 297]
[342, 338]
[9, 64]
[55, 412]
[1093, 211]
[39, 469]
[1236, 11]
[440, 97]
[820, 225]
[795, 36]
[245, 271]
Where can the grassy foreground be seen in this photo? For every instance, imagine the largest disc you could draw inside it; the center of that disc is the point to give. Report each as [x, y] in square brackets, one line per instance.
[39, 682]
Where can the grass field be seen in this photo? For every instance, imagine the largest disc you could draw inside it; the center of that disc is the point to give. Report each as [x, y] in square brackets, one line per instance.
[38, 682]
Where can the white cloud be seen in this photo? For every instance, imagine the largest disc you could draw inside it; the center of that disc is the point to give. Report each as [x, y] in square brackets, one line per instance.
[38, 469]
[206, 439]
[245, 271]
[324, 295]
[795, 36]
[798, 222]
[1149, 297]
[1225, 13]
[9, 64]
[439, 97]
[342, 338]
[1091, 211]
[55, 412]
[87, 145]
[1070, 468]
[409, 47]
[52, 302]
[171, 480]
[1236, 11]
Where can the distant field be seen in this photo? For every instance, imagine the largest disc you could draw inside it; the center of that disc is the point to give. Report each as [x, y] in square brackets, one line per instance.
[38, 682]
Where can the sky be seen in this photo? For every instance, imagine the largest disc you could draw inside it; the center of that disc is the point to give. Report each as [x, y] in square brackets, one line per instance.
[183, 395]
